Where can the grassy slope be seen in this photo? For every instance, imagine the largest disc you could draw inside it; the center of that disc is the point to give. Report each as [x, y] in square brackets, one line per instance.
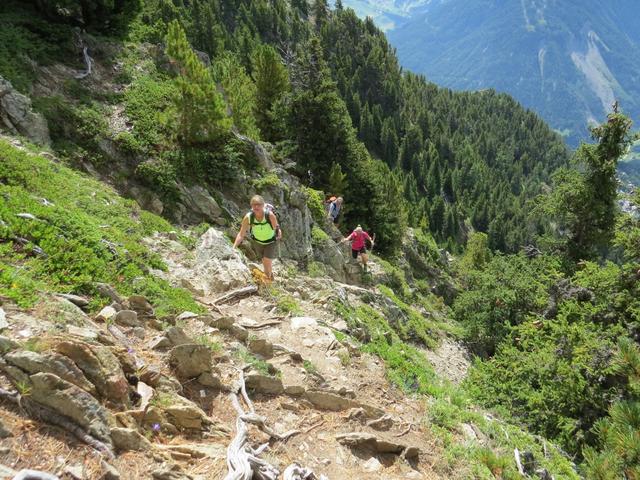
[87, 234]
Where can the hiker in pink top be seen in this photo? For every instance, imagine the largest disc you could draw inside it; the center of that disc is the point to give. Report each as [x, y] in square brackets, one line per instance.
[358, 239]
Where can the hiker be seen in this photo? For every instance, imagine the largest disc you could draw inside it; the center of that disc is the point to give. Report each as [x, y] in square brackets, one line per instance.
[358, 239]
[334, 209]
[262, 224]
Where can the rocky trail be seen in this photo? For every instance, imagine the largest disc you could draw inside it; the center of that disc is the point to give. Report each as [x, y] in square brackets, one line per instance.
[161, 399]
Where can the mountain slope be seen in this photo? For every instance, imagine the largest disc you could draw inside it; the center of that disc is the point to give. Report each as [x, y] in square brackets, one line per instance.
[566, 60]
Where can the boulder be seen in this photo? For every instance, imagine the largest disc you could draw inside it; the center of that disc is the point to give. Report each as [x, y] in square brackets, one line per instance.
[107, 314]
[128, 318]
[261, 347]
[129, 439]
[140, 305]
[152, 376]
[264, 383]
[3, 319]
[18, 118]
[217, 266]
[4, 431]
[7, 344]
[100, 366]
[383, 423]
[72, 402]
[190, 360]
[75, 299]
[331, 401]
[376, 444]
[108, 291]
[177, 337]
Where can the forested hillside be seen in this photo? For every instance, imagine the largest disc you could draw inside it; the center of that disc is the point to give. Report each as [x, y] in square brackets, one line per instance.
[463, 160]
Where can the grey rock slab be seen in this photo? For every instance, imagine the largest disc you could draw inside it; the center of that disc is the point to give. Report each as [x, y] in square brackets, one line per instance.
[72, 402]
[3, 319]
[63, 367]
[7, 344]
[177, 336]
[75, 299]
[129, 439]
[17, 116]
[190, 360]
[264, 384]
[128, 318]
[336, 403]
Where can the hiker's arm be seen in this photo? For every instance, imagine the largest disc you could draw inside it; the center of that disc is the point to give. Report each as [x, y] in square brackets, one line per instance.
[274, 224]
[243, 231]
[346, 239]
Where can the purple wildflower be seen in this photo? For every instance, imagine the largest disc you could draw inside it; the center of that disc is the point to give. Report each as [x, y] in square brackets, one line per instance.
[155, 427]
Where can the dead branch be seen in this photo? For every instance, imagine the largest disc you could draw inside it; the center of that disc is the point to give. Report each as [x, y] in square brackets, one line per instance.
[235, 295]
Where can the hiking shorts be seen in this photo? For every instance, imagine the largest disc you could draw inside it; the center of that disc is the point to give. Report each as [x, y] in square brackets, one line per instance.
[265, 251]
[354, 253]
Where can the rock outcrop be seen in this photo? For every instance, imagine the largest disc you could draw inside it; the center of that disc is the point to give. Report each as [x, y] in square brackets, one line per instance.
[17, 117]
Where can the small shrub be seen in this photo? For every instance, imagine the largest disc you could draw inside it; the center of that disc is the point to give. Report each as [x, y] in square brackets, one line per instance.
[318, 236]
[316, 269]
[288, 304]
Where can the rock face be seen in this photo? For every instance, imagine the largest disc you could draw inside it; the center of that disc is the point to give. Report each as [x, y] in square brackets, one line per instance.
[63, 367]
[198, 205]
[129, 439]
[100, 366]
[73, 402]
[17, 117]
[217, 267]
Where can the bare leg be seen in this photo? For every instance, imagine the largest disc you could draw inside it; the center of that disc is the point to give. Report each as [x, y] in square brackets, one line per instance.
[266, 264]
[365, 259]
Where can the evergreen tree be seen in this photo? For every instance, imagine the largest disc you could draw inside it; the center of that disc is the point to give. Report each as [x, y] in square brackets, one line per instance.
[272, 82]
[337, 180]
[240, 92]
[200, 106]
[585, 202]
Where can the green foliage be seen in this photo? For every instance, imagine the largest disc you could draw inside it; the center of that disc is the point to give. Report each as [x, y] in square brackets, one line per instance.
[318, 236]
[337, 182]
[477, 253]
[309, 367]
[272, 82]
[288, 304]
[26, 37]
[554, 376]
[159, 175]
[270, 180]
[315, 203]
[201, 110]
[316, 269]
[501, 296]
[209, 342]
[584, 202]
[89, 234]
[260, 366]
[619, 433]
[240, 93]
[150, 105]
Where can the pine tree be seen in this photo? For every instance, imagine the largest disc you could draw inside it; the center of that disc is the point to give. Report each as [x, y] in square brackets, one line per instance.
[200, 107]
[584, 203]
[337, 180]
[272, 82]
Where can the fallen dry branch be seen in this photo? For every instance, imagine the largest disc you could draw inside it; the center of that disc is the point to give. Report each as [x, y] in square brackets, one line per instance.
[235, 295]
[261, 325]
[243, 461]
[44, 414]
[34, 475]
[404, 432]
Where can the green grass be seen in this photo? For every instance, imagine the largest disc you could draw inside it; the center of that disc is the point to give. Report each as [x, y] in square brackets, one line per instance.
[85, 230]
[309, 367]
[259, 365]
[288, 304]
[207, 341]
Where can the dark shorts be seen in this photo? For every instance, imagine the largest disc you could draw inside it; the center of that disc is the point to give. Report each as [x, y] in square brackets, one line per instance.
[354, 253]
[268, 250]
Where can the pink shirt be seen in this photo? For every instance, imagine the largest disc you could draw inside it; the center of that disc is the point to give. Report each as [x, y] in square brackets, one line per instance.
[357, 240]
